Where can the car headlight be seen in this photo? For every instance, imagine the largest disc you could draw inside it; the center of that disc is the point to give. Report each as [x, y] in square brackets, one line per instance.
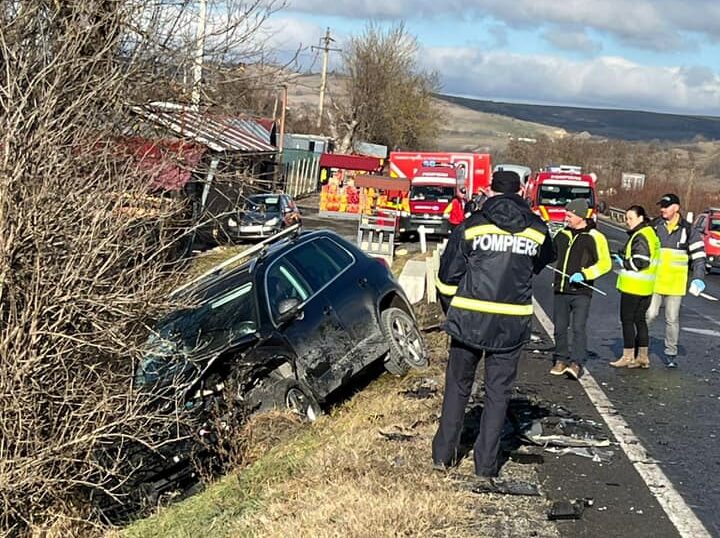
[404, 214]
[272, 222]
[714, 242]
[232, 222]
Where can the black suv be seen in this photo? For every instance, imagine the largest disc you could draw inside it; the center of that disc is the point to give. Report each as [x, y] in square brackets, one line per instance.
[296, 321]
[307, 312]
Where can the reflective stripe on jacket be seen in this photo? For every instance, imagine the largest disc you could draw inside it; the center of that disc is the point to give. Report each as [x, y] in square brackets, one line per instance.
[642, 253]
[680, 247]
[485, 276]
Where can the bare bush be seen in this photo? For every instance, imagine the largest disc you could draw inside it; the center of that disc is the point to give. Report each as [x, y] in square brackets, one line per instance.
[86, 256]
[666, 169]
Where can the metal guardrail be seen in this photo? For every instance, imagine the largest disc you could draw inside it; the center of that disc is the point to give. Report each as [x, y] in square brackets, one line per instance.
[616, 214]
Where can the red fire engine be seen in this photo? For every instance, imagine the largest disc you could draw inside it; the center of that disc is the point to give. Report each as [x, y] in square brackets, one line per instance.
[551, 188]
[434, 180]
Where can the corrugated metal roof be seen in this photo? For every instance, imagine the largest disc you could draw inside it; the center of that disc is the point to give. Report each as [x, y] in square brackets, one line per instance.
[216, 132]
[350, 162]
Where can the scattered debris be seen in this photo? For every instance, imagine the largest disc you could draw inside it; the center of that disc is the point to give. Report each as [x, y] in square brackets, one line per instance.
[398, 433]
[424, 389]
[503, 487]
[598, 456]
[431, 328]
[564, 432]
[527, 455]
[567, 510]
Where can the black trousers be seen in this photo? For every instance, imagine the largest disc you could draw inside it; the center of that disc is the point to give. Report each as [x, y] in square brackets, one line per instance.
[500, 373]
[565, 305]
[632, 316]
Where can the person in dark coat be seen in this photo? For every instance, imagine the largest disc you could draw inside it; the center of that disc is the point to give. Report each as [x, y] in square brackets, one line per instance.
[582, 256]
[485, 285]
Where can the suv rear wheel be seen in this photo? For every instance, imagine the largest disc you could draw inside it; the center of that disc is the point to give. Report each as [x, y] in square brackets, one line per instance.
[407, 348]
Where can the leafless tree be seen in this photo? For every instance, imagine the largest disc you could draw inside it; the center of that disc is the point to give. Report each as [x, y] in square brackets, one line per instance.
[388, 97]
[86, 256]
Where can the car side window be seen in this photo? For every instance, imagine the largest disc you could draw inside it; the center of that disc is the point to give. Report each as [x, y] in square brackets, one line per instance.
[320, 261]
[285, 282]
[700, 223]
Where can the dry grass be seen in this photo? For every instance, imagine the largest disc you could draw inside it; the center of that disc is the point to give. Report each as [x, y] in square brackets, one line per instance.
[341, 477]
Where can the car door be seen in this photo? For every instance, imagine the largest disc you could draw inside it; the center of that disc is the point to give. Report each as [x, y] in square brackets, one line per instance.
[330, 267]
[317, 336]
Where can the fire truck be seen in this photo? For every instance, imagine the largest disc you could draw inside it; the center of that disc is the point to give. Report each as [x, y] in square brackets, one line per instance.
[434, 180]
[551, 188]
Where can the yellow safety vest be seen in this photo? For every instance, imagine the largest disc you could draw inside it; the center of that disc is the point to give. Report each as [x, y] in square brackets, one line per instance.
[672, 272]
[641, 282]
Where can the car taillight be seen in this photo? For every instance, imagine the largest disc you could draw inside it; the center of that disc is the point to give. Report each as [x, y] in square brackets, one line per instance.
[383, 262]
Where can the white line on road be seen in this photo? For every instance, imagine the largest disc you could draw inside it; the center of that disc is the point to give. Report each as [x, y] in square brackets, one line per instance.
[679, 513]
[704, 332]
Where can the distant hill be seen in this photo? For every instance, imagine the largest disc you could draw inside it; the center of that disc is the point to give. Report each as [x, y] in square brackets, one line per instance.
[622, 124]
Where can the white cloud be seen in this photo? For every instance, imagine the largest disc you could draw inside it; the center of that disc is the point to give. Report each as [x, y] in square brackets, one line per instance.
[571, 41]
[600, 82]
[654, 24]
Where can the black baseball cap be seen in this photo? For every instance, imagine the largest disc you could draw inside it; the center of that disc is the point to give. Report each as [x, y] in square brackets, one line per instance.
[668, 199]
[505, 181]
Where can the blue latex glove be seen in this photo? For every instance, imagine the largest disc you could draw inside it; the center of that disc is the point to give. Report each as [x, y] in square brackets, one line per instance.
[576, 277]
[618, 259]
[699, 284]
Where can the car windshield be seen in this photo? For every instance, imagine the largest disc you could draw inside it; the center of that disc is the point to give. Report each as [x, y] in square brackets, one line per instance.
[432, 193]
[560, 195]
[715, 224]
[262, 204]
[208, 327]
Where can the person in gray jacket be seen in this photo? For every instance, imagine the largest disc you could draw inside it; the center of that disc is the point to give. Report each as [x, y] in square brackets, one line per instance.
[680, 245]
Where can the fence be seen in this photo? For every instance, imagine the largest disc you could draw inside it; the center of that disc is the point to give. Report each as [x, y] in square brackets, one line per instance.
[301, 170]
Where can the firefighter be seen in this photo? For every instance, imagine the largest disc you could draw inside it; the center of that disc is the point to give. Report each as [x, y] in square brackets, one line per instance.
[680, 245]
[583, 255]
[455, 211]
[485, 285]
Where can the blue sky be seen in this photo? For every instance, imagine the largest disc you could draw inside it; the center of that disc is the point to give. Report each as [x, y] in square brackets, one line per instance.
[659, 55]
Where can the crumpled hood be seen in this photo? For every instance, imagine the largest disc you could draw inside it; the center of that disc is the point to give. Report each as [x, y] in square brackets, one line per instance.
[508, 212]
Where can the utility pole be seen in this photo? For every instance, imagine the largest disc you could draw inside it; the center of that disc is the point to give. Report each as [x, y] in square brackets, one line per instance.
[323, 80]
[199, 53]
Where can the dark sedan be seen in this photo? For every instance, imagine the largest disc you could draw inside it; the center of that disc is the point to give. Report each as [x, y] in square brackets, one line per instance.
[263, 215]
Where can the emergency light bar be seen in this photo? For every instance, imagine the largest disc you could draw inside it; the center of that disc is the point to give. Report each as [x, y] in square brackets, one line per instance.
[567, 168]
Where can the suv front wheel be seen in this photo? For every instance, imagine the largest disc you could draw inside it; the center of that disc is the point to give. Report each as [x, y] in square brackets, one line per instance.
[407, 348]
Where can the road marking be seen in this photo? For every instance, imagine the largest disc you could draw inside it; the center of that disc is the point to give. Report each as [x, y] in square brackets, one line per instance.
[679, 513]
[704, 332]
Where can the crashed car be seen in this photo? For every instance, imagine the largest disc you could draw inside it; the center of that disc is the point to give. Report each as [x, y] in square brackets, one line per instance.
[285, 329]
[262, 215]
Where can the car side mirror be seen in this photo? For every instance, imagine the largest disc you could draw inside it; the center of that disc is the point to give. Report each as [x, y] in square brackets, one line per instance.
[288, 309]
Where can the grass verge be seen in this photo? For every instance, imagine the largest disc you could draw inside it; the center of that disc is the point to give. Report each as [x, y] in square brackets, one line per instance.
[343, 476]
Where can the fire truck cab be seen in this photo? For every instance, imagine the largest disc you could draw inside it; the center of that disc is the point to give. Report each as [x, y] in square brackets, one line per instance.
[435, 178]
[551, 188]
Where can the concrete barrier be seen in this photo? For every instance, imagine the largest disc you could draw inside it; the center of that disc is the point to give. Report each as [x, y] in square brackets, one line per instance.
[412, 279]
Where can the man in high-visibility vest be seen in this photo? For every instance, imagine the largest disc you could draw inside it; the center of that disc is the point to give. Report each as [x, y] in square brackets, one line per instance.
[582, 256]
[680, 245]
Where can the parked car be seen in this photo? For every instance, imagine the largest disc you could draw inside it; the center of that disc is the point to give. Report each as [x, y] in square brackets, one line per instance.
[262, 215]
[291, 325]
[708, 222]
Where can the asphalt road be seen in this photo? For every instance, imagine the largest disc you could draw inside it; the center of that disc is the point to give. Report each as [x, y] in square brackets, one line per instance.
[674, 413]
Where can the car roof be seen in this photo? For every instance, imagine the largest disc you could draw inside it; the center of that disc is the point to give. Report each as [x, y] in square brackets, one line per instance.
[211, 287]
